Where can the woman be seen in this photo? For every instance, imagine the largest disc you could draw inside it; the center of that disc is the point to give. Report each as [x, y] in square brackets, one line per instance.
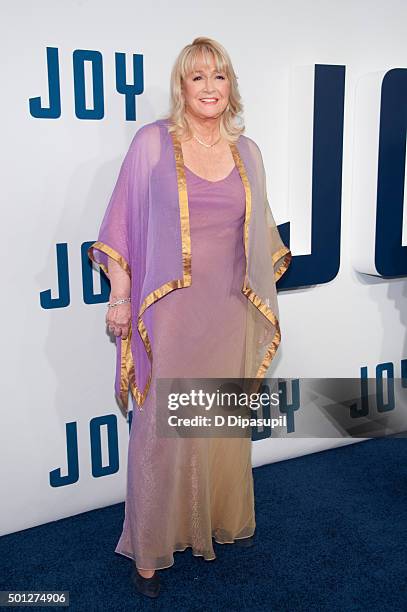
[189, 212]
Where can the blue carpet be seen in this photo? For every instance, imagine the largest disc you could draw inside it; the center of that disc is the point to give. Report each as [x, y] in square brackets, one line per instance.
[331, 536]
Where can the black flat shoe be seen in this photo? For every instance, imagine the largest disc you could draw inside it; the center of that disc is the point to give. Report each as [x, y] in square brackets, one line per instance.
[245, 542]
[147, 586]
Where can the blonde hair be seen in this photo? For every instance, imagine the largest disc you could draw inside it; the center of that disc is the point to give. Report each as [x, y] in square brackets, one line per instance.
[231, 120]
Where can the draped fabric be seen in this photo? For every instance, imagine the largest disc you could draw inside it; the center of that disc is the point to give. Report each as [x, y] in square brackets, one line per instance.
[186, 491]
[146, 229]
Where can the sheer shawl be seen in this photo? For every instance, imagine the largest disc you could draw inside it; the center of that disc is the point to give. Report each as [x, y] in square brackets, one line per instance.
[145, 229]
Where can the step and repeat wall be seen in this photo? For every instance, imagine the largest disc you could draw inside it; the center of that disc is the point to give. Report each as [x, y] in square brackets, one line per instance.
[324, 89]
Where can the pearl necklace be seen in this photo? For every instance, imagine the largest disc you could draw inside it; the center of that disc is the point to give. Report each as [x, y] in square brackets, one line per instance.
[204, 143]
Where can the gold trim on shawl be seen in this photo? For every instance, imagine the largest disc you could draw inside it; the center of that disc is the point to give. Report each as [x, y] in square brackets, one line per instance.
[278, 254]
[246, 289]
[105, 248]
[285, 263]
[248, 195]
[185, 281]
[126, 361]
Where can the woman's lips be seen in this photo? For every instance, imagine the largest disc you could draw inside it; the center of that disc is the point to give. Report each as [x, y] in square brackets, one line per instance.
[208, 100]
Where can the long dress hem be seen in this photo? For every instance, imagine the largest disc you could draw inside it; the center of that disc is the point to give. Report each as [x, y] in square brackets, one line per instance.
[194, 552]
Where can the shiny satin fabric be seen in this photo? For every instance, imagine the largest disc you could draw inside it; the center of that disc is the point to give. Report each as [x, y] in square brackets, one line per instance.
[146, 229]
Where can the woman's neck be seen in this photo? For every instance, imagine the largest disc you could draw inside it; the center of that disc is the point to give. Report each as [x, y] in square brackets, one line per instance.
[207, 129]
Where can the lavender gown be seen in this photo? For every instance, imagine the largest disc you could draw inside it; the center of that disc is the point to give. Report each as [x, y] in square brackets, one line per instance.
[182, 492]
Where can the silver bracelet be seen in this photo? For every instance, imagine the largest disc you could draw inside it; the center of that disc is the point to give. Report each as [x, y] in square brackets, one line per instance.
[120, 301]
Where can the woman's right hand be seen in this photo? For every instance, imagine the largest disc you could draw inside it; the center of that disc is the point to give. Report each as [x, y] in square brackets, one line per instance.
[118, 318]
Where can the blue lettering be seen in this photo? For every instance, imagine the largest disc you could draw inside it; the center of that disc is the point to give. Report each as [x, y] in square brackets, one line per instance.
[80, 56]
[63, 300]
[53, 111]
[129, 90]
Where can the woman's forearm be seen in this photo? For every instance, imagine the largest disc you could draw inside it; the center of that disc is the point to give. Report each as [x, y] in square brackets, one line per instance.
[119, 280]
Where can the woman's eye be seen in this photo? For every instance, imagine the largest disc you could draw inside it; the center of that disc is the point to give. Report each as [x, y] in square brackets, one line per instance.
[219, 76]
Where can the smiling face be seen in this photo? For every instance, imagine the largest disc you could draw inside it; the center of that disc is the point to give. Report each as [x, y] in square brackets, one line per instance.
[206, 90]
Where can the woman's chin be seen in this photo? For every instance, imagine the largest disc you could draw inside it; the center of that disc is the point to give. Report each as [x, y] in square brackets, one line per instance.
[210, 113]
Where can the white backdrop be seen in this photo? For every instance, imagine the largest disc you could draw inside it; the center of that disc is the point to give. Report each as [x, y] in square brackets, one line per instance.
[57, 176]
